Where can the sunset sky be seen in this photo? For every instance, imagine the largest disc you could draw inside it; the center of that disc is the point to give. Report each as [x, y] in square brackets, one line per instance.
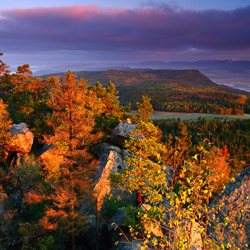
[55, 33]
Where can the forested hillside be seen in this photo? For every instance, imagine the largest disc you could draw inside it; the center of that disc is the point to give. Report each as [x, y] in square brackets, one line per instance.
[173, 90]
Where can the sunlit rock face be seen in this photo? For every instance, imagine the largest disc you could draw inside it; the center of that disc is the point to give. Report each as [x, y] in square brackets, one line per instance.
[230, 212]
[121, 133]
[111, 161]
[21, 139]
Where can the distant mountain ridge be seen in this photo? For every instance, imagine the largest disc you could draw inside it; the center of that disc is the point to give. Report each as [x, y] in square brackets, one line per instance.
[228, 72]
[171, 90]
[188, 77]
[126, 77]
[211, 65]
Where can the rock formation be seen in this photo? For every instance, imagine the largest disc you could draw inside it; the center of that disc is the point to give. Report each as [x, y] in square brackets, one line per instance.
[111, 161]
[21, 139]
[230, 212]
[121, 133]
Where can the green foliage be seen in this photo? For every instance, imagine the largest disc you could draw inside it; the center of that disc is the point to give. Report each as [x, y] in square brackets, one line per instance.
[33, 238]
[132, 218]
[111, 205]
[27, 99]
[35, 211]
[111, 112]
[28, 172]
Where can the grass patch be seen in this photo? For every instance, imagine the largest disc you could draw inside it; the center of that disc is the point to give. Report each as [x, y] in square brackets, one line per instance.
[193, 116]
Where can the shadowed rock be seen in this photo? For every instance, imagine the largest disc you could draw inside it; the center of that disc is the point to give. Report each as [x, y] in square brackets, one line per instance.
[121, 133]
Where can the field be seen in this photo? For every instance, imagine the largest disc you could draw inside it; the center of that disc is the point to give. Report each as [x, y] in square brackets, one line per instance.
[157, 115]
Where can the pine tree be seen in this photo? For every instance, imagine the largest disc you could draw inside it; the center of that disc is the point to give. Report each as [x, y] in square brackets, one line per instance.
[112, 111]
[145, 108]
[5, 127]
[72, 120]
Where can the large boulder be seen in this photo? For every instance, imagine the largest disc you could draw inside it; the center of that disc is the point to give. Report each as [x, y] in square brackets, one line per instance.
[121, 133]
[21, 139]
[230, 212]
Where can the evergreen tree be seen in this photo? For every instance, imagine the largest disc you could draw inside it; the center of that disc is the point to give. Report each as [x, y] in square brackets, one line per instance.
[111, 112]
[5, 127]
[74, 106]
[145, 108]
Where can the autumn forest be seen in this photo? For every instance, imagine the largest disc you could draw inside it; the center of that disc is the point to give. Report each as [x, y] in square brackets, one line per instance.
[78, 170]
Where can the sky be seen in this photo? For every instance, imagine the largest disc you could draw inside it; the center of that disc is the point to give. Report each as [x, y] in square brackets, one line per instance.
[54, 34]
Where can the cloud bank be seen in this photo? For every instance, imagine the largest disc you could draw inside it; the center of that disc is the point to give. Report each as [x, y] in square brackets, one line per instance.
[153, 29]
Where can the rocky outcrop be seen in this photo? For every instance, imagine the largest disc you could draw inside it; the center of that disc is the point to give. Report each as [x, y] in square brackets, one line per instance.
[21, 139]
[230, 212]
[121, 133]
[111, 161]
[169, 175]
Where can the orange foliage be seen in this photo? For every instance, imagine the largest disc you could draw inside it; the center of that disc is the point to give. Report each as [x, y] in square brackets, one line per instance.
[46, 224]
[33, 197]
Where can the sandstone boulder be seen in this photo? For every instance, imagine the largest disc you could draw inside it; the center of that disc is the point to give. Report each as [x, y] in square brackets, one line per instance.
[21, 139]
[230, 212]
[121, 133]
[111, 161]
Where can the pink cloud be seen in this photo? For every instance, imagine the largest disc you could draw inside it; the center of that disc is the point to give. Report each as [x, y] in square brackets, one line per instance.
[94, 28]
